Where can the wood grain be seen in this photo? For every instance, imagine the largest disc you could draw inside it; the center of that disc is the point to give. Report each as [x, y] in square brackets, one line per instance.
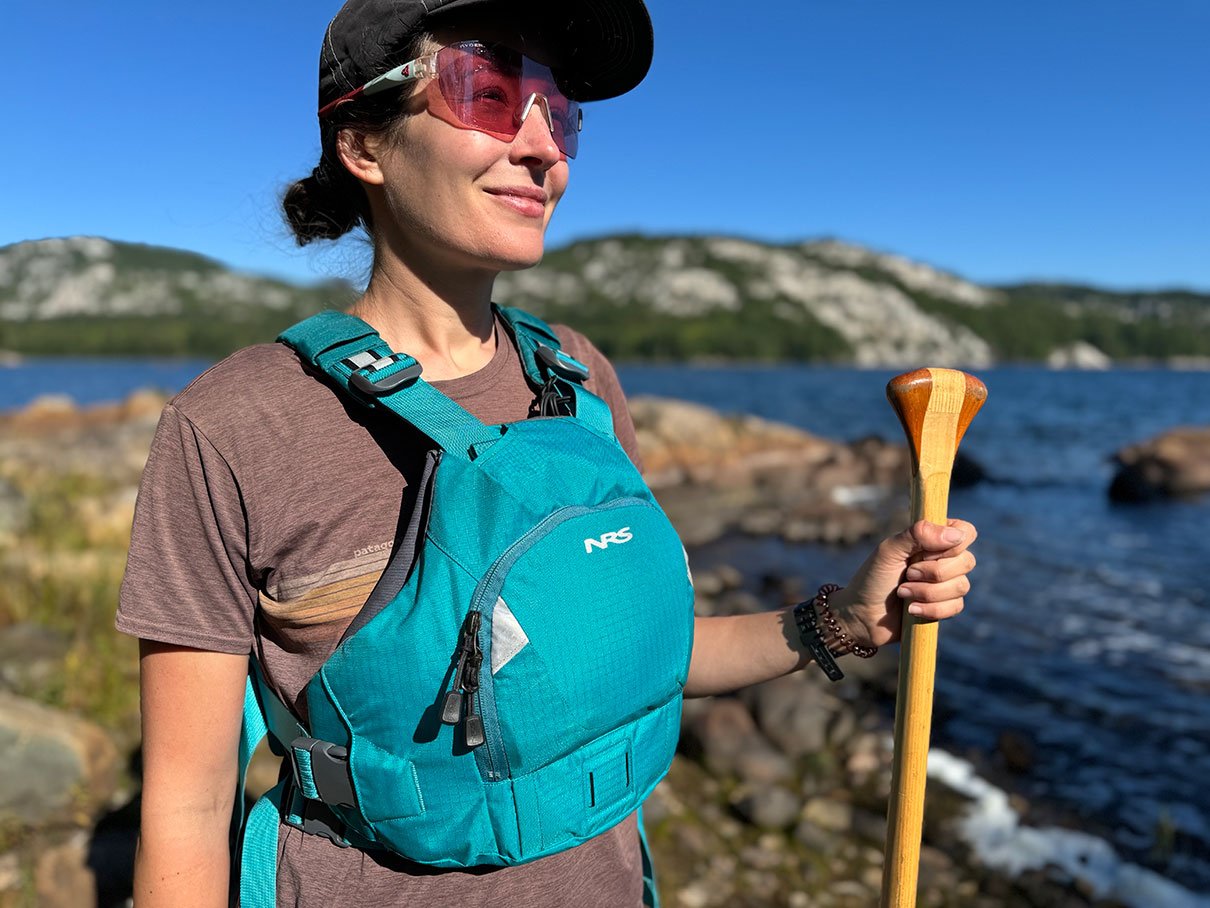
[935, 407]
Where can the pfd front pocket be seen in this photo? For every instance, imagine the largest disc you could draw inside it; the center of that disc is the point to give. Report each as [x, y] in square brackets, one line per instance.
[582, 625]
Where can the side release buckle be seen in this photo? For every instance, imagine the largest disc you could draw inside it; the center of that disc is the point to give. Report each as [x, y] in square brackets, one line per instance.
[365, 377]
[561, 364]
[321, 771]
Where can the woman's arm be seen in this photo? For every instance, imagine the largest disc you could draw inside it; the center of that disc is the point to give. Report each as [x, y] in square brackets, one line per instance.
[192, 703]
[926, 564]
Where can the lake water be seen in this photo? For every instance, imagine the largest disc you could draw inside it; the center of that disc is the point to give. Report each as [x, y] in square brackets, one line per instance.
[1088, 633]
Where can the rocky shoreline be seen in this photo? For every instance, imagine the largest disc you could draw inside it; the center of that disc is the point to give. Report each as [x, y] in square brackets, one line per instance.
[776, 798]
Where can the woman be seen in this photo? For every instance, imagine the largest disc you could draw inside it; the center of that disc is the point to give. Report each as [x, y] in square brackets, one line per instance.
[270, 505]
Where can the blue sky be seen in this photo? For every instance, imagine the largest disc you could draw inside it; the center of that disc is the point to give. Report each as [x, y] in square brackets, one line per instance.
[1064, 139]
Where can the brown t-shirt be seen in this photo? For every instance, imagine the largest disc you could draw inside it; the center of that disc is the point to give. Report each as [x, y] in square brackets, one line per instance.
[267, 511]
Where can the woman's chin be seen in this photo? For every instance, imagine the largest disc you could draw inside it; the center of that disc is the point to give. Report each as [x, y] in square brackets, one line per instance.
[519, 257]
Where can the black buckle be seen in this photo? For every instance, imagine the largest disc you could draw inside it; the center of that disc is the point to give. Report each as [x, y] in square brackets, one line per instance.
[329, 770]
[562, 364]
[316, 819]
[362, 381]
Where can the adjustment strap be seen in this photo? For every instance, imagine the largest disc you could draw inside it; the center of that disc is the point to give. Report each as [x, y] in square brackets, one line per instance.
[552, 373]
[357, 360]
[280, 723]
[252, 731]
[651, 895]
[529, 333]
[258, 851]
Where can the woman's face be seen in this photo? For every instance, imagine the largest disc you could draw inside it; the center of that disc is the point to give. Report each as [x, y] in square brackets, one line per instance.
[464, 198]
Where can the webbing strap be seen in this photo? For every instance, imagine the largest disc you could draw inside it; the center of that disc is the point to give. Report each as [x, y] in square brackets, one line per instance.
[530, 333]
[258, 852]
[251, 733]
[343, 345]
[281, 724]
[593, 411]
[306, 778]
[651, 895]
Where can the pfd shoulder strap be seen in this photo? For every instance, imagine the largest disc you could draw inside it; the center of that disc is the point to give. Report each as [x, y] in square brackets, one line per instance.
[552, 372]
[353, 355]
[358, 361]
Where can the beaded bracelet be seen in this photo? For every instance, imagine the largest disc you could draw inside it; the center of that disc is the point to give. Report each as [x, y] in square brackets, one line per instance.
[847, 643]
[809, 631]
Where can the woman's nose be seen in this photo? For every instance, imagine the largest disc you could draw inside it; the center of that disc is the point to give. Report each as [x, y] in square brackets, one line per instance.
[534, 140]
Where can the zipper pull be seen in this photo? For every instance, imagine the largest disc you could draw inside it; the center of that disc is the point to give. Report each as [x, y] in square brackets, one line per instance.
[472, 724]
[468, 646]
[451, 708]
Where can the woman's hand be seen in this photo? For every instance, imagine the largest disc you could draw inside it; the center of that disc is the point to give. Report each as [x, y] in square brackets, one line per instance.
[926, 565]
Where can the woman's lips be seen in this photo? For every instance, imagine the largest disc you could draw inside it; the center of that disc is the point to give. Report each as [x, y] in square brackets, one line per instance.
[529, 201]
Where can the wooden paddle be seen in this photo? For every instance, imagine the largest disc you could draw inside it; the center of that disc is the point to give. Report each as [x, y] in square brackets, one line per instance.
[935, 407]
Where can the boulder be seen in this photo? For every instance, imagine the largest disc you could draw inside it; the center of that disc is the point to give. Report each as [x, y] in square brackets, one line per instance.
[1175, 464]
[1078, 355]
[62, 877]
[684, 442]
[794, 714]
[771, 807]
[57, 768]
[30, 656]
[10, 879]
[763, 765]
[14, 509]
[720, 734]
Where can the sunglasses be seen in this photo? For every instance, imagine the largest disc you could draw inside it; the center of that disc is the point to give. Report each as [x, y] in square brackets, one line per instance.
[487, 88]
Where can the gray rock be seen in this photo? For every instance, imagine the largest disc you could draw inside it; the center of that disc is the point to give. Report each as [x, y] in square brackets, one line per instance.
[762, 765]
[706, 583]
[794, 714]
[866, 757]
[30, 656]
[740, 602]
[1078, 355]
[815, 838]
[870, 827]
[842, 728]
[771, 807]
[55, 765]
[829, 813]
[10, 875]
[14, 510]
[720, 734]
[729, 576]
[764, 522]
[758, 857]
[62, 877]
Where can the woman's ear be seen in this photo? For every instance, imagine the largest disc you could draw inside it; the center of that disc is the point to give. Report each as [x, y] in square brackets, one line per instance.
[358, 151]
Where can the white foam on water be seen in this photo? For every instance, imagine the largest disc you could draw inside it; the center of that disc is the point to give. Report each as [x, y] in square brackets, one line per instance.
[995, 831]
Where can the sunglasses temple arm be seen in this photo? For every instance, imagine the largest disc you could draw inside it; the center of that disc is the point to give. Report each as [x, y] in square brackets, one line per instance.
[400, 75]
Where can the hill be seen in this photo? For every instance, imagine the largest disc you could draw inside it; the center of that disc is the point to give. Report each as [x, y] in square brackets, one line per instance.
[638, 297]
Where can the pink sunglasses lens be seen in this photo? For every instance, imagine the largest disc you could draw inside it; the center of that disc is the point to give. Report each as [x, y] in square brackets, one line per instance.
[486, 88]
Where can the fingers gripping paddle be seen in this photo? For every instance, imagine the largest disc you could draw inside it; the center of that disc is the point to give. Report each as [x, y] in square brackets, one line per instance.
[935, 407]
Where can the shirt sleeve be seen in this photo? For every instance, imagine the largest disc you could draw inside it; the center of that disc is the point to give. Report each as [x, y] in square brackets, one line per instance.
[188, 580]
[603, 382]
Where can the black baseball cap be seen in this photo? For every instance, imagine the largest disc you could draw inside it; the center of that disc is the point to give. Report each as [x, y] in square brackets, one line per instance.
[597, 48]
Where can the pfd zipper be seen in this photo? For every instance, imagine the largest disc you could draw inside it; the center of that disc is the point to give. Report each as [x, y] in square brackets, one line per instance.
[493, 758]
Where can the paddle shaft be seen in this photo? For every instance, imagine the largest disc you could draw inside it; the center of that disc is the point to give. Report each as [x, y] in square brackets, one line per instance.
[935, 406]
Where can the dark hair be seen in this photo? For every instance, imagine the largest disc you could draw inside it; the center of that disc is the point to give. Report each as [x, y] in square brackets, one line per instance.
[331, 201]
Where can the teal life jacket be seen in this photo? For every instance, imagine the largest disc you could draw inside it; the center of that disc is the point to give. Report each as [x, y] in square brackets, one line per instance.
[512, 686]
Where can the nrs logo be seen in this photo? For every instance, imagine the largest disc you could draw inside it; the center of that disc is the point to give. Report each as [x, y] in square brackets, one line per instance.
[617, 536]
